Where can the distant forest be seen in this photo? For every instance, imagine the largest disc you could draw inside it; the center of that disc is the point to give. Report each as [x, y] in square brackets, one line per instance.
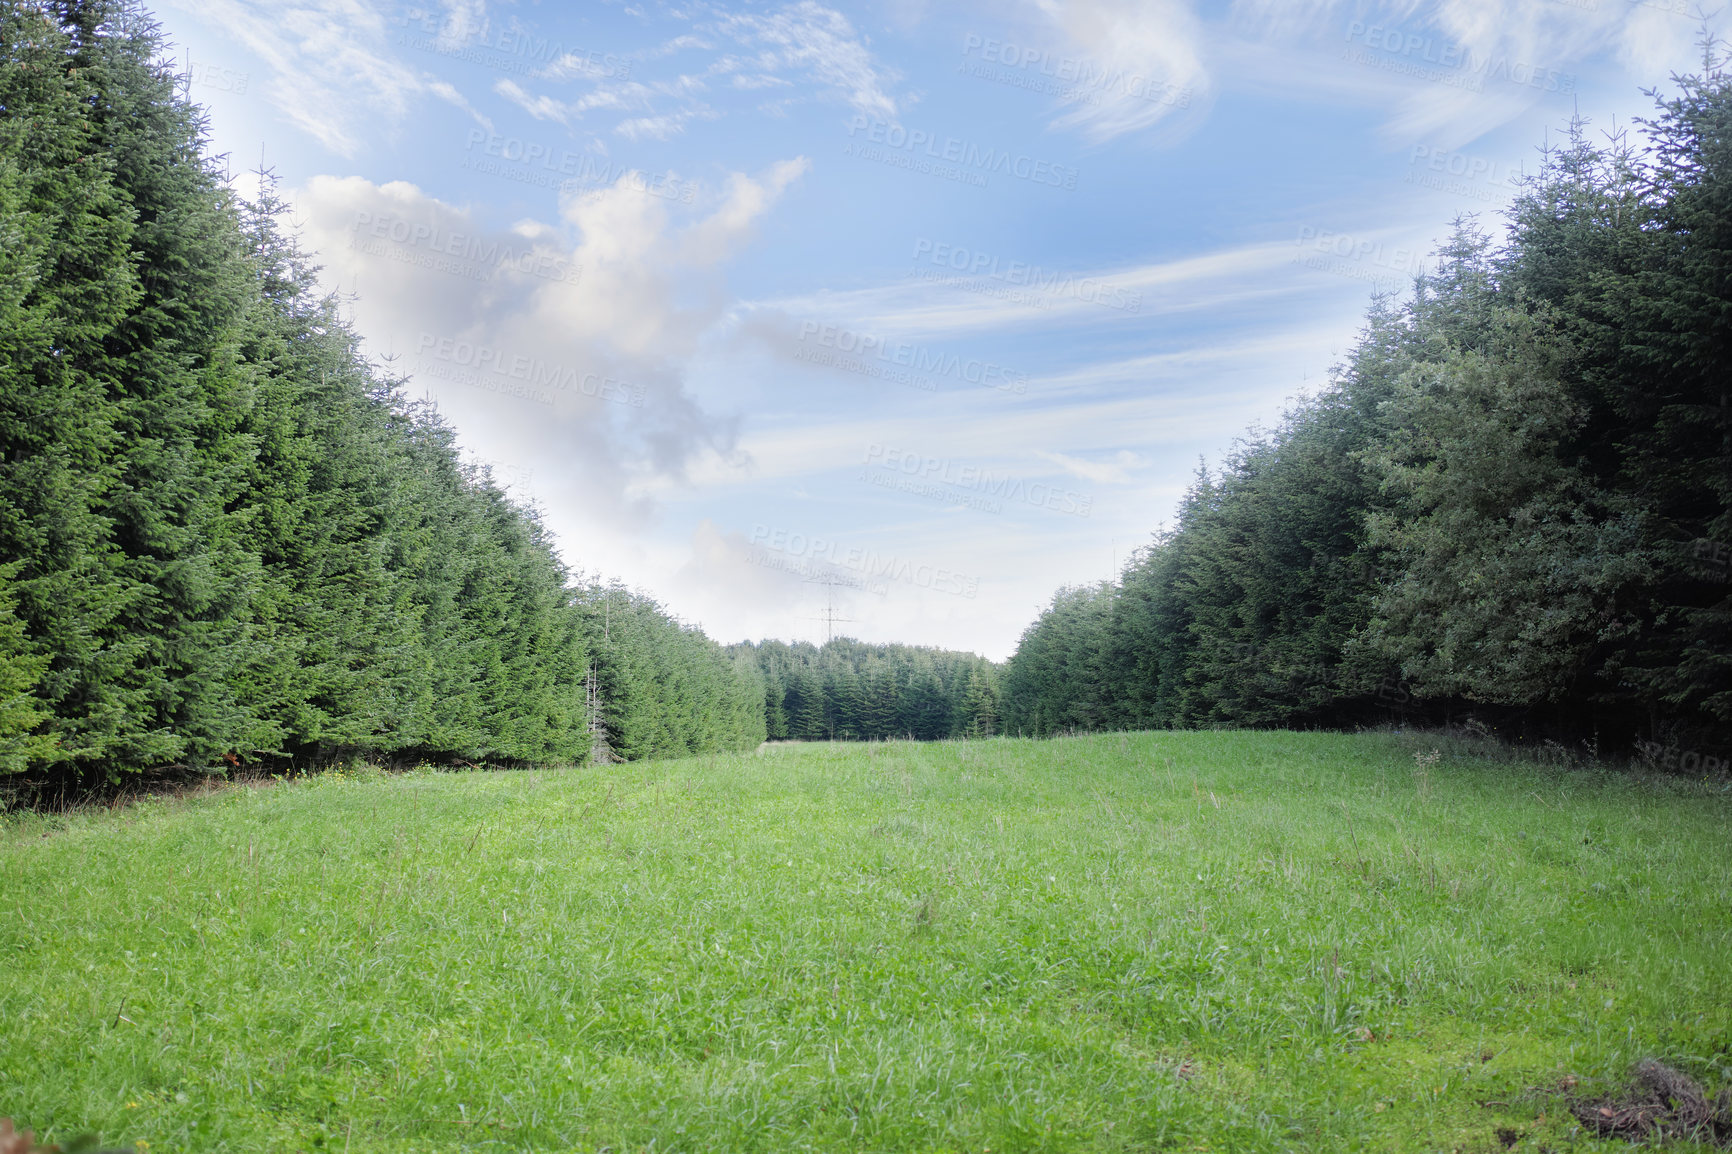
[227, 539]
[1509, 508]
[848, 690]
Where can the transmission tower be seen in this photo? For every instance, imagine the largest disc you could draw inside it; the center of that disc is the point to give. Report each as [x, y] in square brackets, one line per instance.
[829, 581]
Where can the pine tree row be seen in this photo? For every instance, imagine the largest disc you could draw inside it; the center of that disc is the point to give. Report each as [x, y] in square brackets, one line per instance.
[850, 691]
[1511, 504]
[663, 689]
[224, 537]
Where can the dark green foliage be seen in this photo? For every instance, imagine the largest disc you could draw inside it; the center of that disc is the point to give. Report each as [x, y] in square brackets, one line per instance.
[67, 282]
[848, 690]
[21, 712]
[1507, 553]
[1512, 500]
[1634, 254]
[979, 711]
[1059, 680]
[665, 689]
[224, 536]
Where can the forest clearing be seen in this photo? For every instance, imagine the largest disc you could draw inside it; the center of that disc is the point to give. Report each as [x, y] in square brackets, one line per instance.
[1202, 940]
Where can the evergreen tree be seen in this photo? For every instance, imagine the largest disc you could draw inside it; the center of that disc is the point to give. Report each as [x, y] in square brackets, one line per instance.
[1511, 501]
[224, 536]
[979, 712]
[853, 691]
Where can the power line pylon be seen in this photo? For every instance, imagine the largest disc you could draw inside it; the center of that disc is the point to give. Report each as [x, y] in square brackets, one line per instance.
[829, 581]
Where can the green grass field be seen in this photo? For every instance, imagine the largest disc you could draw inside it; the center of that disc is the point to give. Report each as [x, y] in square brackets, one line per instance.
[1196, 941]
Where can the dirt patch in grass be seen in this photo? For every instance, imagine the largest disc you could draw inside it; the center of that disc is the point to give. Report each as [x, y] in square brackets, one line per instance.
[1660, 1102]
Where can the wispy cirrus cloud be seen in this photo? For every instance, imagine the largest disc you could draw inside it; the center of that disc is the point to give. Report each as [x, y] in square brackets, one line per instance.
[818, 44]
[540, 107]
[1135, 58]
[1455, 70]
[332, 72]
[1196, 283]
[801, 51]
[627, 97]
[1114, 470]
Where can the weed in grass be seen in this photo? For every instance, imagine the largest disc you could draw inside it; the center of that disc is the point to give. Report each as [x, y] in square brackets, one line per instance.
[1423, 764]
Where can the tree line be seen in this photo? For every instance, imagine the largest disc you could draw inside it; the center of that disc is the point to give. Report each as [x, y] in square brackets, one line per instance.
[1509, 506]
[226, 537]
[847, 690]
[660, 688]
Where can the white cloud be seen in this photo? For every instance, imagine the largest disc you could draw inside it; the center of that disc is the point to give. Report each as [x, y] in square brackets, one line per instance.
[921, 306]
[820, 43]
[332, 72]
[715, 239]
[1660, 41]
[1453, 71]
[804, 42]
[655, 127]
[619, 96]
[1116, 470]
[599, 313]
[1137, 63]
[540, 107]
[462, 21]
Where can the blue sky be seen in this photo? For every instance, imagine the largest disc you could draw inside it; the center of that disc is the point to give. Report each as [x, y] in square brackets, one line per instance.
[924, 310]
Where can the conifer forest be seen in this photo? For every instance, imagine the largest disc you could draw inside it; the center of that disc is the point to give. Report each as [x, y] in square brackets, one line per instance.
[414, 732]
[228, 538]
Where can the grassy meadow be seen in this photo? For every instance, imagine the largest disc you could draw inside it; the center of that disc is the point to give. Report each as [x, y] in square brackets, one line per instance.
[1191, 941]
